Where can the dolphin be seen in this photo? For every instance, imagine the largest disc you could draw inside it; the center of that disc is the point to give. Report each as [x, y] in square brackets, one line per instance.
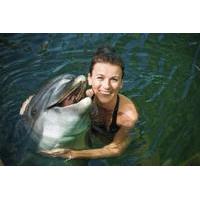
[58, 115]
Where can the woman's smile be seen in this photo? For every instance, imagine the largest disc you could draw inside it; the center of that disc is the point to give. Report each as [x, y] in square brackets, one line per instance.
[105, 92]
[106, 80]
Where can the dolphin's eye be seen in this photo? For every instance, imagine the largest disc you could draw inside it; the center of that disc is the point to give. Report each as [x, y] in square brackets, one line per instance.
[33, 112]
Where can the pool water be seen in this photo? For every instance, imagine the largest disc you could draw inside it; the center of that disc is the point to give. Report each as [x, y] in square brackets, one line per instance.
[162, 77]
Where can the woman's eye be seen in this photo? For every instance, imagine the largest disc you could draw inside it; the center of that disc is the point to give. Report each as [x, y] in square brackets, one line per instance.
[99, 78]
[115, 79]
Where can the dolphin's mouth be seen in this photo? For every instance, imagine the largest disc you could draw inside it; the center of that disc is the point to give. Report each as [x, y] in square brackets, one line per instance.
[72, 96]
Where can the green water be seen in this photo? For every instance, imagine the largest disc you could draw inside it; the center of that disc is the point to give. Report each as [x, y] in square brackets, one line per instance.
[162, 73]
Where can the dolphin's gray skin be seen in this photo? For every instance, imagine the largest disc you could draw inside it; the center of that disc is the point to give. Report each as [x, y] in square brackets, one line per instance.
[58, 115]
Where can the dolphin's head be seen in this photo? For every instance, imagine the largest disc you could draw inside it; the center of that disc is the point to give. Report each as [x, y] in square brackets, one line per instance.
[59, 111]
[62, 91]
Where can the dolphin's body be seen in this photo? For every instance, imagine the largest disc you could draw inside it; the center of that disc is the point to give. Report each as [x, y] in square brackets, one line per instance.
[58, 115]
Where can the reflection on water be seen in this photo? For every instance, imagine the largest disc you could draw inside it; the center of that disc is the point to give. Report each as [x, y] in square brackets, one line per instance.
[162, 77]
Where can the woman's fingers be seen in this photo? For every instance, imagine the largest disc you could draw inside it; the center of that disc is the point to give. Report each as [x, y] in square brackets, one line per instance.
[89, 93]
[59, 152]
[24, 105]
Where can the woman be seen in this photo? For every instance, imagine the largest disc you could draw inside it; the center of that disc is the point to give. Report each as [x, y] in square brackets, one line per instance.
[113, 115]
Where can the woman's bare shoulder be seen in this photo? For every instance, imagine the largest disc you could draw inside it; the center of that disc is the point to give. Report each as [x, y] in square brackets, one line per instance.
[128, 114]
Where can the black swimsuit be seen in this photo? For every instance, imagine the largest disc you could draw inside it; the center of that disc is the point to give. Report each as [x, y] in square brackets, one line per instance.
[99, 129]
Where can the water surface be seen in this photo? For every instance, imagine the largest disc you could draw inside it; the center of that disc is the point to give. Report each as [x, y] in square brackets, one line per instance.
[162, 73]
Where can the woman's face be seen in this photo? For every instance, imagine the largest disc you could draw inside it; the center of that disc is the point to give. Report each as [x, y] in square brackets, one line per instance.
[106, 81]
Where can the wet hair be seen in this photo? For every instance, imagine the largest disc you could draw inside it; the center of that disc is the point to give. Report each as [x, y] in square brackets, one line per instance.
[106, 54]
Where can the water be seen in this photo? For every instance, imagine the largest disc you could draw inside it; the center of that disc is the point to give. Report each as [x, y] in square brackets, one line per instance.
[162, 77]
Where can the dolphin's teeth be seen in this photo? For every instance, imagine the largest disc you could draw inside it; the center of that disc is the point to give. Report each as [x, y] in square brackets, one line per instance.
[72, 96]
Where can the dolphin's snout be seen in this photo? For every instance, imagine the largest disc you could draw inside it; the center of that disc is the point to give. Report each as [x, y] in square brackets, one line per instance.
[75, 93]
[79, 79]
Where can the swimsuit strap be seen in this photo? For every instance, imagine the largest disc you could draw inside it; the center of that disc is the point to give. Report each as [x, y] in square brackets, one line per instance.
[113, 126]
[100, 130]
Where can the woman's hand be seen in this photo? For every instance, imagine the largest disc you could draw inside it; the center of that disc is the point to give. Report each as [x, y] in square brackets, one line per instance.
[24, 105]
[59, 152]
[89, 93]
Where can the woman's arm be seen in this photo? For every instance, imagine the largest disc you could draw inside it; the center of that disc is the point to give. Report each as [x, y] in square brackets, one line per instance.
[115, 148]
[121, 140]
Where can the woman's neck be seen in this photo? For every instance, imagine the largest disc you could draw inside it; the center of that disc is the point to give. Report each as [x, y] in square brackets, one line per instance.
[107, 106]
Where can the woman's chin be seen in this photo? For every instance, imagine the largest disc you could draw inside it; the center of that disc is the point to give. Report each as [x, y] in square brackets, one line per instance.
[105, 98]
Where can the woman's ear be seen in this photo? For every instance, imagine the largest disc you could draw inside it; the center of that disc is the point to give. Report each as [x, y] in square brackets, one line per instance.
[89, 79]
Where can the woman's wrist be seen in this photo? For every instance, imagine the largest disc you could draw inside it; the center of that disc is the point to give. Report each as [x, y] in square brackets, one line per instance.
[71, 154]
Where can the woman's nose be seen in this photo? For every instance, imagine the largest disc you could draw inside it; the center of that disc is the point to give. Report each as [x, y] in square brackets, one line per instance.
[106, 84]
